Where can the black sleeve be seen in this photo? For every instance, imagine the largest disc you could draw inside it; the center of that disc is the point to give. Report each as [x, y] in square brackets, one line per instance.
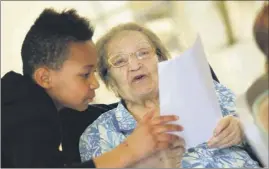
[87, 164]
[74, 123]
[31, 137]
[33, 145]
[37, 146]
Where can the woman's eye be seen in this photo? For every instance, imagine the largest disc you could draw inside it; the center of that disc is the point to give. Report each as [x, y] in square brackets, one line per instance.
[143, 53]
[119, 61]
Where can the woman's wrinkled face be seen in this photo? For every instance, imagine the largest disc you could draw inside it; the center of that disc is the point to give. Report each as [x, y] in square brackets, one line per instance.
[138, 77]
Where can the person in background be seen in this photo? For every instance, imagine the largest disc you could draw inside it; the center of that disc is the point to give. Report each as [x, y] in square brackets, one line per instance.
[59, 61]
[258, 93]
[127, 63]
[254, 102]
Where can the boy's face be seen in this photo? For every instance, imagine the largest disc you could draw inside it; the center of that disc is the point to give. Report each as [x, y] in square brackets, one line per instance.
[74, 85]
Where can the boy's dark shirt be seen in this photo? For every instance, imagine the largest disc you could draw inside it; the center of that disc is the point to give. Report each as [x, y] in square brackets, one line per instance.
[74, 123]
[31, 126]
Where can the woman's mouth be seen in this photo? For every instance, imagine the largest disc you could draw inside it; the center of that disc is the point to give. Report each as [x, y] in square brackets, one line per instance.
[139, 78]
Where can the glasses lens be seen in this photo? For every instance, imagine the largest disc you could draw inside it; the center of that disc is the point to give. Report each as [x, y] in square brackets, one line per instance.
[119, 60]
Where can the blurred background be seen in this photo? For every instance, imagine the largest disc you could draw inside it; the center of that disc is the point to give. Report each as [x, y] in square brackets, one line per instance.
[224, 26]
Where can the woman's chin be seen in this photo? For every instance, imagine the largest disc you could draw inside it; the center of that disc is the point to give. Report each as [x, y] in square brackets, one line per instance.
[143, 92]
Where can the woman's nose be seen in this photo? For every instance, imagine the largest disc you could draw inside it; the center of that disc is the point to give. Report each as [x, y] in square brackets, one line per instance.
[134, 63]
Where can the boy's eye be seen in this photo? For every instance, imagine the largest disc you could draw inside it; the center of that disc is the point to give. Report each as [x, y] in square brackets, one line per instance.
[86, 75]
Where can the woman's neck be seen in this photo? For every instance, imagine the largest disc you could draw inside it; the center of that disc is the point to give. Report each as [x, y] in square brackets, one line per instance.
[139, 108]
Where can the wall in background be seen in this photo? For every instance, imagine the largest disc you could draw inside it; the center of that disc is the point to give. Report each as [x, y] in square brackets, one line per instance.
[236, 66]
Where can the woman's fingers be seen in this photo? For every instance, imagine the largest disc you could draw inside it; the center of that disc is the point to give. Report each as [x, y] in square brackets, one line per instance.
[222, 124]
[229, 136]
[167, 128]
[165, 137]
[147, 117]
[222, 136]
[164, 119]
[232, 142]
[227, 139]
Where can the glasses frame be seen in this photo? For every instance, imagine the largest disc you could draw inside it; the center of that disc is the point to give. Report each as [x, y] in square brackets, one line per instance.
[152, 50]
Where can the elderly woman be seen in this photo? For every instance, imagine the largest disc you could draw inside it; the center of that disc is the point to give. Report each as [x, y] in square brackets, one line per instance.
[128, 58]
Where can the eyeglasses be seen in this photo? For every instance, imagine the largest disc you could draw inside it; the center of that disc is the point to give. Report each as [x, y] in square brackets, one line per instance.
[122, 59]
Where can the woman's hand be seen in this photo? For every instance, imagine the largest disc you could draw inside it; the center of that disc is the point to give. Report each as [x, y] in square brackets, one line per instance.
[227, 133]
[151, 135]
[175, 154]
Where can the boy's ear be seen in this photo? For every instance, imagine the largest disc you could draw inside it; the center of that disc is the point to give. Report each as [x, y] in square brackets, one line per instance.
[42, 77]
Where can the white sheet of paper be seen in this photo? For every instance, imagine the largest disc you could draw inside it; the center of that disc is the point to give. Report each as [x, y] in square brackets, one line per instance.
[186, 89]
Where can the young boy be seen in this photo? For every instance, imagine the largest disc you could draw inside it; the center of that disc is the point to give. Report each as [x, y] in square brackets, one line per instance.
[59, 59]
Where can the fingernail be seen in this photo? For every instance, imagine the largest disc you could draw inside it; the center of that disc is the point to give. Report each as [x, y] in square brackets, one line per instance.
[177, 117]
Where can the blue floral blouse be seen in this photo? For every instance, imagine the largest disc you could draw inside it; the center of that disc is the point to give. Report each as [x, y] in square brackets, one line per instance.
[112, 127]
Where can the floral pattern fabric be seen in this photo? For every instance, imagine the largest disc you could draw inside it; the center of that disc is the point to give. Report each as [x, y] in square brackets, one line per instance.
[112, 127]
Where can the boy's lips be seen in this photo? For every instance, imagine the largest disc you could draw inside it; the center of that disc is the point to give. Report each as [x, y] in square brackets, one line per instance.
[91, 98]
